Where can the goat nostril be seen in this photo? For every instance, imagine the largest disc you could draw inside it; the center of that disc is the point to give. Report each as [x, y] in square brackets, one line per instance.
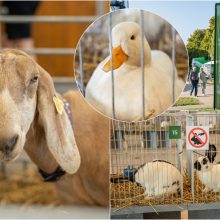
[8, 145]
[11, 143]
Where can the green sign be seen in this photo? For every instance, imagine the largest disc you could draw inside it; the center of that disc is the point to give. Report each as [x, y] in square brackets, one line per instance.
[174, 132]
[217, 58]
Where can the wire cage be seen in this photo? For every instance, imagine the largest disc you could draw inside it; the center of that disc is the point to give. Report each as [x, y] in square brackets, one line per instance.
[97, 43]
[134, 145]
[205, 175]
[146, 143]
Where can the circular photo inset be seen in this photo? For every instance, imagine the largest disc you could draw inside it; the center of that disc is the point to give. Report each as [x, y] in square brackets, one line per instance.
[131, 65]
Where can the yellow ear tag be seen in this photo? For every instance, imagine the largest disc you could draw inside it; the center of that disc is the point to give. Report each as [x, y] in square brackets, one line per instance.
[58, 104]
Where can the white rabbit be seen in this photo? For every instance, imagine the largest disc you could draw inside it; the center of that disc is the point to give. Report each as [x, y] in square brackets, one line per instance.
[207, 172]
[159, 178]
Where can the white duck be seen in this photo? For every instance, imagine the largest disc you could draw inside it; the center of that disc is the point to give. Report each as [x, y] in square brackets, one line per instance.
[126, 40]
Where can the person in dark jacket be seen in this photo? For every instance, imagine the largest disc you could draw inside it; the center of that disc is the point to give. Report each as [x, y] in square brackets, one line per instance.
[194, 78]
[18, 35]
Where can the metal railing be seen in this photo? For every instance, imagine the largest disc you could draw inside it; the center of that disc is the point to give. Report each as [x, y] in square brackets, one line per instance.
[50, 51]
[100, 9]
[46, 19]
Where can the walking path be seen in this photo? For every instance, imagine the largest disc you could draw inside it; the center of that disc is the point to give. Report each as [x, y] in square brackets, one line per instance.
[205, 101]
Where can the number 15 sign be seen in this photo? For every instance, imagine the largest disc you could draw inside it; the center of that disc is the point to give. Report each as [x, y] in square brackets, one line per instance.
[174, 132]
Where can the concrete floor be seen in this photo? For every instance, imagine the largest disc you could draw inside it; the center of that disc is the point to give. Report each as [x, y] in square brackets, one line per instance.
[45, 212]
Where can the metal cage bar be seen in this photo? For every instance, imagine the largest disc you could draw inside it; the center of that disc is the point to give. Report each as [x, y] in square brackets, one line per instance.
[81, 69]
[111, 61]
[174, 63]
[142, 62]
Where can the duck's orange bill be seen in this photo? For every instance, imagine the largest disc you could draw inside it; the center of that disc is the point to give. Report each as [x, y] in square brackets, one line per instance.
[118, 58]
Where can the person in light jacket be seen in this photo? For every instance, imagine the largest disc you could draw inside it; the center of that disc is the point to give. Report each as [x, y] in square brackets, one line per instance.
[203, 77]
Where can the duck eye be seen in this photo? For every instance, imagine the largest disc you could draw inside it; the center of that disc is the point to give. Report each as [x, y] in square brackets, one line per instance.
[34, 79]
[132, 37]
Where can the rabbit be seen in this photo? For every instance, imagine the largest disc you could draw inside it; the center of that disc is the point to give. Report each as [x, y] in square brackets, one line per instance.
[207, 171]
[158, 178]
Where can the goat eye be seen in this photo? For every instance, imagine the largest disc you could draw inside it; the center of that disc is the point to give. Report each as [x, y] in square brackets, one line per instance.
[34, 79]
[132, 37]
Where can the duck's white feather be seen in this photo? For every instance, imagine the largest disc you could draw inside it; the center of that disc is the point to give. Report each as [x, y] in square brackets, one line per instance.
[128, 80]
[128, 88]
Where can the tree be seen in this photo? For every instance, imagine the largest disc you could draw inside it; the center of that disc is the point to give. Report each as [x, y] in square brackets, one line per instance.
[208, 40]
[203, 40]
[195, 39]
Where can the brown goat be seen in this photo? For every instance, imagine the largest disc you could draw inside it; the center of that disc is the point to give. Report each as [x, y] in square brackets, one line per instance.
[29, 120]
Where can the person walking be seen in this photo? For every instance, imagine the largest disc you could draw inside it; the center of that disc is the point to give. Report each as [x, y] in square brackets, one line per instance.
[203, 77]
[194, 78]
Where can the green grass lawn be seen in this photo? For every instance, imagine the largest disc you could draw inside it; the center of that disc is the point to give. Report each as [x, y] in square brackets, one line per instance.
[182, 101]
[202, 109]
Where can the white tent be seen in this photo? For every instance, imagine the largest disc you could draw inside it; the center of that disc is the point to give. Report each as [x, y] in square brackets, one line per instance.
[209, 68]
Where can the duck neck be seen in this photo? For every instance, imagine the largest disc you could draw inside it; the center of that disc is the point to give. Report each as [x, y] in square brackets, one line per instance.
[147, 54]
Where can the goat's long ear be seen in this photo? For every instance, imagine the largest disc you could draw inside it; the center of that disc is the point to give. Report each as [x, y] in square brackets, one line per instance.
[58, 131]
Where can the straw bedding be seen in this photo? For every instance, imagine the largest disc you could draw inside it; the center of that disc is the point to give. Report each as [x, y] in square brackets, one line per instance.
[128, 194]
[27, 189]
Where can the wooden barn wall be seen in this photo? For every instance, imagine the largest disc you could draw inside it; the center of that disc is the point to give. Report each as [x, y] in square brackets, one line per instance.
[61, 35]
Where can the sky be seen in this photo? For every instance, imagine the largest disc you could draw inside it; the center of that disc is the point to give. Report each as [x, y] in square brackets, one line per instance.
[185, 16]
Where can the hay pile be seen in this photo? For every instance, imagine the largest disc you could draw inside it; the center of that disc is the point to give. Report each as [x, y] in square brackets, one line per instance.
[128, 194]
[26, 189]
[201, 196]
